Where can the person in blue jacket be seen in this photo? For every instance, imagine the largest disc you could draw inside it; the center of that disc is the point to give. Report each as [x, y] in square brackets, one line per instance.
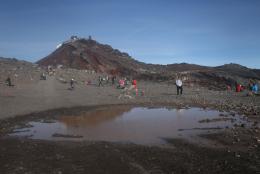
[255, 88]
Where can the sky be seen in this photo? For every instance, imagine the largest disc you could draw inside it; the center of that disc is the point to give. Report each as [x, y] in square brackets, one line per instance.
[205, 32]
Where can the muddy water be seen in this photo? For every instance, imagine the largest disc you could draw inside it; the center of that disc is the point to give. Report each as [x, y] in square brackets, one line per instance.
[126, 124]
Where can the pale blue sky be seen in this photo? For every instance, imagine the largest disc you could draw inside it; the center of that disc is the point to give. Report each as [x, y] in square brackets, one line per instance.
[206, 32]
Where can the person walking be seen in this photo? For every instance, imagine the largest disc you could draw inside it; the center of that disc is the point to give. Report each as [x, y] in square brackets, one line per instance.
[179, 86]
[113, 80]
[100, 79]
[72, 81]
[8, 81]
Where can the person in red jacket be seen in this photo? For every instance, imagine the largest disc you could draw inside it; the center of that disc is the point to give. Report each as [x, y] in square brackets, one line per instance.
[238, 87]
[133, 86]
[134, 83]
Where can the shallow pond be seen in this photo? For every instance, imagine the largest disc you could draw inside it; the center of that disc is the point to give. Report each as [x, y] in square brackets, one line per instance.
[140, 125]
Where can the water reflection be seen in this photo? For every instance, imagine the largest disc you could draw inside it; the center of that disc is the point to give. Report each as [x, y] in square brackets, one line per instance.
[93, 118]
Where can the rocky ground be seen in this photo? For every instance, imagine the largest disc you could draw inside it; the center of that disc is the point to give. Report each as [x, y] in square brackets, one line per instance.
[236, 149]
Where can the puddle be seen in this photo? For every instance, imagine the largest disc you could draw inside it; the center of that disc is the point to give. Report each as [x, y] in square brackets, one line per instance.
[139, 125]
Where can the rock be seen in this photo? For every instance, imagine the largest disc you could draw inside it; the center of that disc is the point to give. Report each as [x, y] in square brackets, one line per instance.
[233, 114]
[237, 140]
[237, 155]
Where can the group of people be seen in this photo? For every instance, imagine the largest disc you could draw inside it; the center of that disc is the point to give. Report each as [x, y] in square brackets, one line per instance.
[126, 92]
[252, 87]
[123, 83]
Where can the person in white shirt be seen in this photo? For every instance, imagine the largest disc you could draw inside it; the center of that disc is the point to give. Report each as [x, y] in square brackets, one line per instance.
[179, 86]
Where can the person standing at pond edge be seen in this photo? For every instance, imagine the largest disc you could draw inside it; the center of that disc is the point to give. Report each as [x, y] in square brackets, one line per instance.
[179, 86]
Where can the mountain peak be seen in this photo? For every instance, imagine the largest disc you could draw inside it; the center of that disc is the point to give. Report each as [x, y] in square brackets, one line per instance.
[82, 53]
